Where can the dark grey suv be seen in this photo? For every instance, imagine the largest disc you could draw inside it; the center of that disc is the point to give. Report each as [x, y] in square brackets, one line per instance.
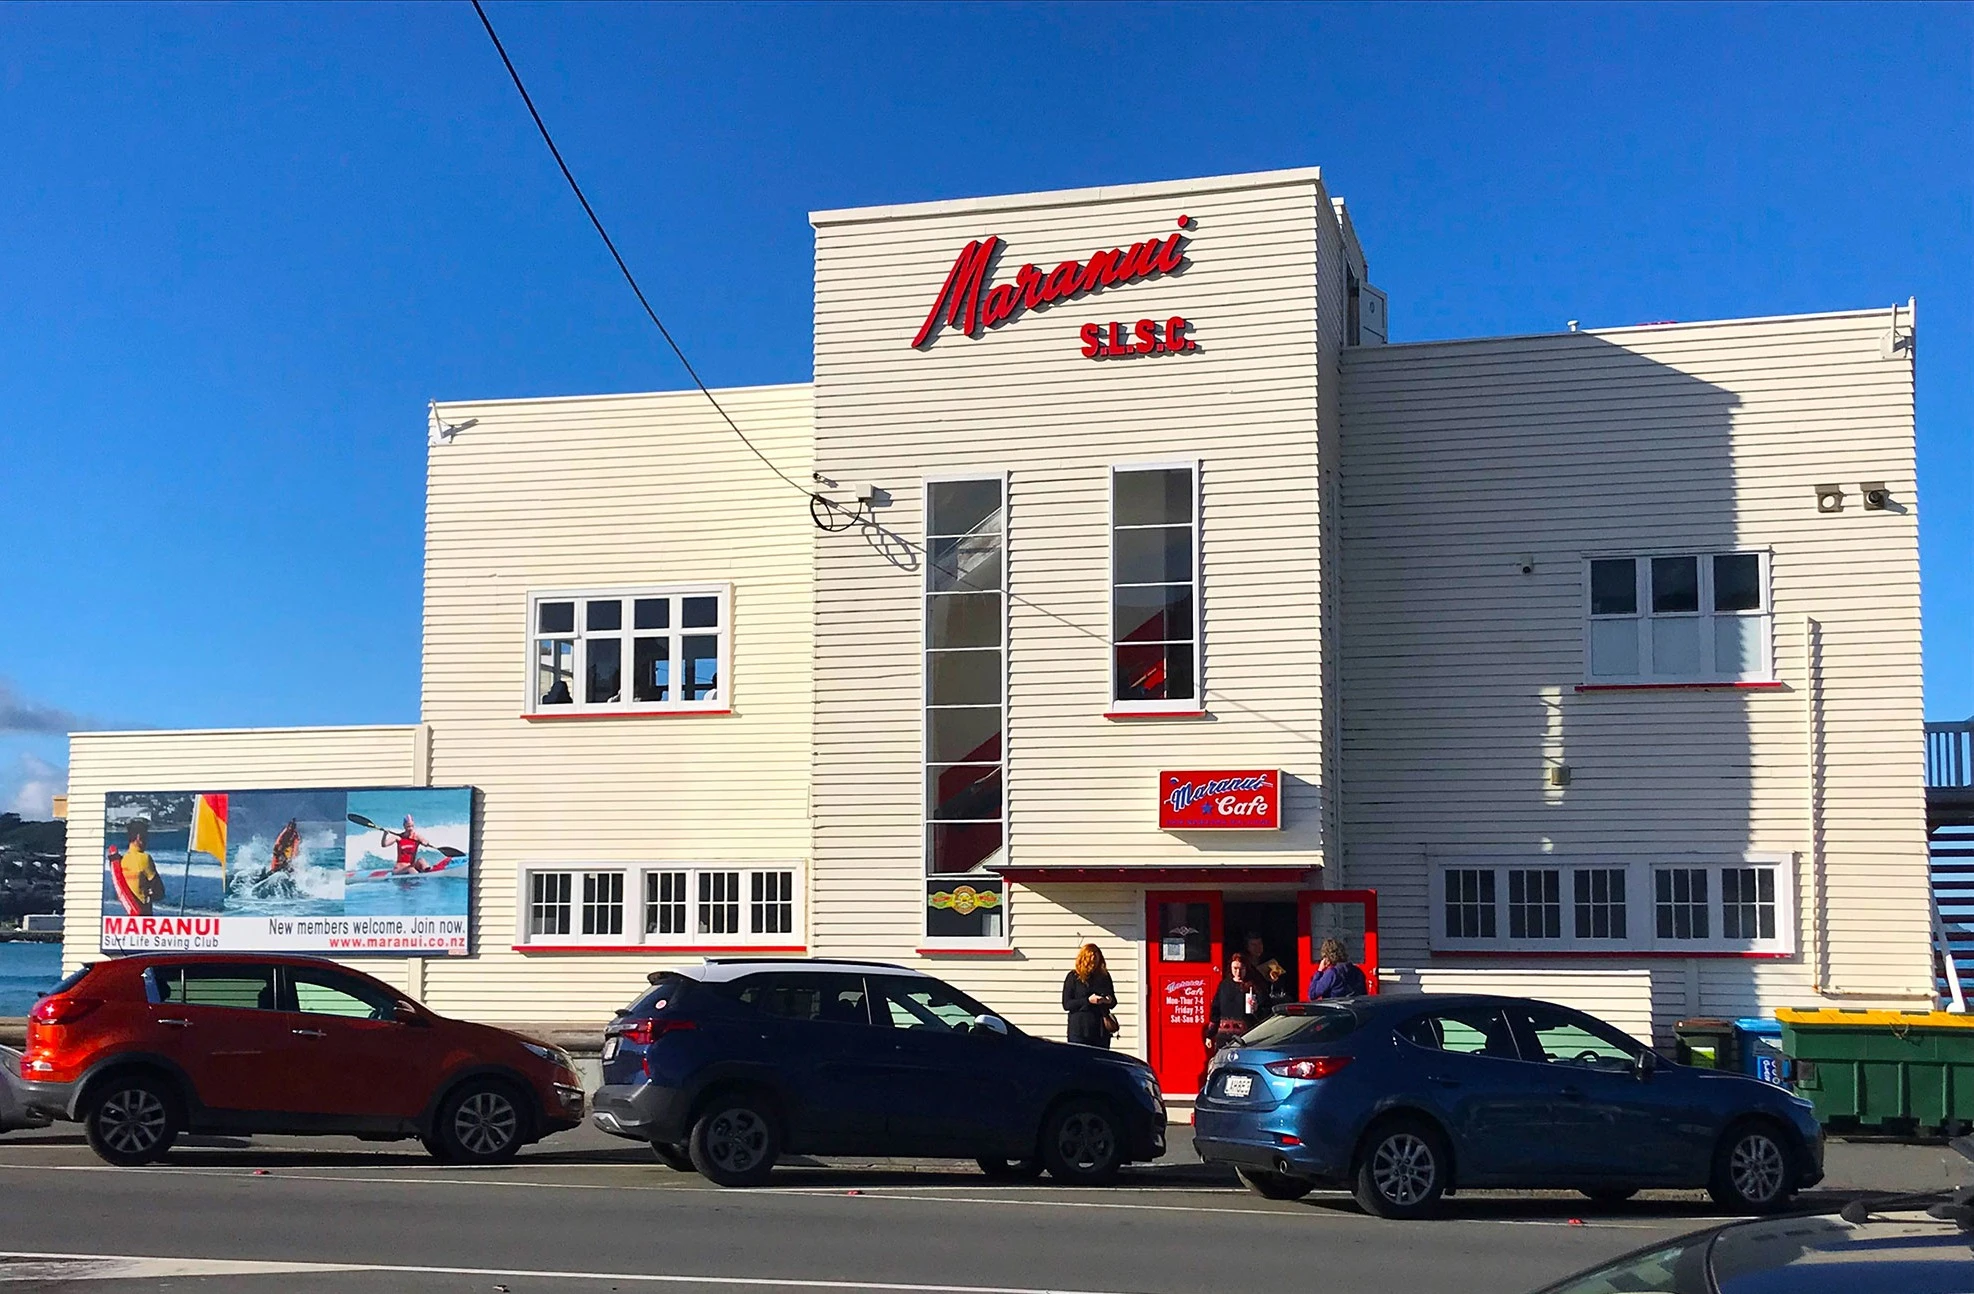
[726, 1066]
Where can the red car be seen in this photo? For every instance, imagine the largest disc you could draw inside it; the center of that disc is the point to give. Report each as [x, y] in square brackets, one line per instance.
[141, 1049]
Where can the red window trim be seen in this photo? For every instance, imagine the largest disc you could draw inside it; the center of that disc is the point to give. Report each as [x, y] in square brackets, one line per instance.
[626, 714]
[965, 952]
[1610, 955]
[658, 948]
[1682, 687]
[1154, 714]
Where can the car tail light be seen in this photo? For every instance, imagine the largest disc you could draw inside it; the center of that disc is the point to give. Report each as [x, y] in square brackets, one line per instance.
[646, 1032]
[63, 1009]
[1308, 1066]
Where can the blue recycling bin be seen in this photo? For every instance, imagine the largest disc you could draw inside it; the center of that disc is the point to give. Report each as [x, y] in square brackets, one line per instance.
[1762, 1057]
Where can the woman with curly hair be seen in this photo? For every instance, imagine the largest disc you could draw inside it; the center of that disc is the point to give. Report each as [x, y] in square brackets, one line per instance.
[1088, 995]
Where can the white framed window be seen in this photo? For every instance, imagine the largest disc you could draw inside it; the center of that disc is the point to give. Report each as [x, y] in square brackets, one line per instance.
[1647, 905]
[965, 682]
[1678, 618]
[1155, 607]
[661, 649]
[672, 906]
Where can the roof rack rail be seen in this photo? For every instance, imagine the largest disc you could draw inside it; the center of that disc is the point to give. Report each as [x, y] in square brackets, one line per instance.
[820, 961]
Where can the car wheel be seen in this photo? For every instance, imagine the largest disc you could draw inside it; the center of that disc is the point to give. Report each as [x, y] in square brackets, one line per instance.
[1609, 1194]
[672, 1155]
[481, 1122]
[1274, 1186]
[1402, 1171]
[735, 1142]
[1011, 1170]
[1082, 1144]
[132, 1121]
[1752, 1171]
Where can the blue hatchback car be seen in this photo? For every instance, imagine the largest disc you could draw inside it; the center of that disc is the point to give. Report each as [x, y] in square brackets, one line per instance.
[1405, 1097]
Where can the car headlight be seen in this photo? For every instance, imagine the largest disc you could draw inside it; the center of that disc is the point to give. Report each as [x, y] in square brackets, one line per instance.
[553, 1055]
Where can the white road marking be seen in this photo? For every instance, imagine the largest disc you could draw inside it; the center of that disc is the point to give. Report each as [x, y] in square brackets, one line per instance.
[116, 1267]
[904, 1194]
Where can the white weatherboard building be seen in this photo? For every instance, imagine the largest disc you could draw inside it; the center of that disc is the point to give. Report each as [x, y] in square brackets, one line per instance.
[1160, 601]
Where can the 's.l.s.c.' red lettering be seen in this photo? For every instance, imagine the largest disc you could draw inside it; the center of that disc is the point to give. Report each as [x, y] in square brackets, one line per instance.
[1153, 337]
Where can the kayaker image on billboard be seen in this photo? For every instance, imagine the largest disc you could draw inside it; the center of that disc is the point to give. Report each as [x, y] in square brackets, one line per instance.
[407, 851]
[321, 869]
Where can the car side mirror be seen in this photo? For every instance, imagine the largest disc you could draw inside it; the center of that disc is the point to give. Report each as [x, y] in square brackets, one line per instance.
[1646, 1065]
[406, 1013]
[991, 1023]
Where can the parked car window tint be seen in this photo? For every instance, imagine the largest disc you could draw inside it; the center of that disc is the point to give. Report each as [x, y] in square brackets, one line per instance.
[216, 984]
[664, 993]
[926, 1004]
[1563, 1039]
[327, 993]
[1316, 1024]
[831, 999]
[1470, 1031]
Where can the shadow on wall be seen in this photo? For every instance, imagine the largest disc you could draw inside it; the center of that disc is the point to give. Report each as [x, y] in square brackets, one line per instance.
[1481, 480]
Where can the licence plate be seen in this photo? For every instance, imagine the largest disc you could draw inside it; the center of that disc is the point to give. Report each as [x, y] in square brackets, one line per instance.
[1237, 1085]
[610, 1046]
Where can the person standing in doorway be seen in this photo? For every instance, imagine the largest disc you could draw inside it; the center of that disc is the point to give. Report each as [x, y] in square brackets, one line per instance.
[1238, 1005]
[1088, 996]
[1268, 974]
[1336, 975]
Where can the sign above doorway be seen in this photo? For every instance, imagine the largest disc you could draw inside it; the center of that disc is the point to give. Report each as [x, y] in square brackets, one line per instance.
[1220, 800]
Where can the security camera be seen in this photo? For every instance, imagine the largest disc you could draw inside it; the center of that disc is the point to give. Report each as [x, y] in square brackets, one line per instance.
[1876, 497]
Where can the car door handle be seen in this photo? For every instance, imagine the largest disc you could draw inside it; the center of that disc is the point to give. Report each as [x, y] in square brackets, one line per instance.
[1443, 1081]
[177, 1024]
[1572, 1094]
[308, 1033]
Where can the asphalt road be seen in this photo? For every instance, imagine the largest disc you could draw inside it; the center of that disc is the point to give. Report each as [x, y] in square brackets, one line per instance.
[583, 1212]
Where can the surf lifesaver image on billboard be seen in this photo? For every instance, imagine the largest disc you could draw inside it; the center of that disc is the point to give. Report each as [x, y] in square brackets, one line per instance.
[376, 870]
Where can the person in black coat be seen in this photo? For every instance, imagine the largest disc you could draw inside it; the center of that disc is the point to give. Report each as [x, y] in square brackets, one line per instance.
[1088, 995]
[1238, 1005]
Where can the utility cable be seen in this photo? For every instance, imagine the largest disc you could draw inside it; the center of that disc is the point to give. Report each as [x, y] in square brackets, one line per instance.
[625, 270]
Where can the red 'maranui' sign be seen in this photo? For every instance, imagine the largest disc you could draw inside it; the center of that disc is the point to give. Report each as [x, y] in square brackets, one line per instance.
[1220, 800]
[970, 304]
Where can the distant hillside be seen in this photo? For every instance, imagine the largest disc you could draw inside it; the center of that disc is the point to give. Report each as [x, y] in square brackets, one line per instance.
[32, 837]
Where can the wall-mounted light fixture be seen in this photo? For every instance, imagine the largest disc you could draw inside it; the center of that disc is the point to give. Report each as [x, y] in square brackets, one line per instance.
[1559, 775]
[1829, 498]
[1876, 497]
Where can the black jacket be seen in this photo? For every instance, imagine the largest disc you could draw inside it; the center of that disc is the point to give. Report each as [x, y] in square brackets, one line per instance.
[1086, 1019]
[1229, 1009]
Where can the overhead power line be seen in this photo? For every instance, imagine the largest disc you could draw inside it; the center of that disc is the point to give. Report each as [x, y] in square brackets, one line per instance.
[624, 269]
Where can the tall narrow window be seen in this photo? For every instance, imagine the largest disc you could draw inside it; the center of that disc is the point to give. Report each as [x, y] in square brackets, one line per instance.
[1680, 900]
[1469, 903]
[965, 669]
[1154, 589]
[1535, 903]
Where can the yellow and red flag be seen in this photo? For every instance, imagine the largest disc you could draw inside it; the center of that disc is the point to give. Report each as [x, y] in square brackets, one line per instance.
[209, 828]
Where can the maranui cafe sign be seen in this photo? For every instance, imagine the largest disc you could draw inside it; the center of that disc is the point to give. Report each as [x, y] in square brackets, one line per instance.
[971, 304]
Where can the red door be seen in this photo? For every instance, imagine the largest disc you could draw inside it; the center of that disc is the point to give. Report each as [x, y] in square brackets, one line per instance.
[1183, 928]
[1349, 915]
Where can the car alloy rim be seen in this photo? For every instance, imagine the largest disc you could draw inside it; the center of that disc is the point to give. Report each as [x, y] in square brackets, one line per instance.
[132, 1121]
[737, 1140]
[486, 1122]
[1756, 1168]
[1085, 1140]
[1403, 1168]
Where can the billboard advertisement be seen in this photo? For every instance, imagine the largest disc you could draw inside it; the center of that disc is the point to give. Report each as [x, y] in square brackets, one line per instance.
[384, 870]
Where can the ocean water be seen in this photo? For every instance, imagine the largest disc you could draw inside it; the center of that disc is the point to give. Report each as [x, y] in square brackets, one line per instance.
[26, 972]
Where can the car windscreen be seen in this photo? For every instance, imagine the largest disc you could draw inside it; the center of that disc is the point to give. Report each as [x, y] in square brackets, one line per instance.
[1301, 1026]
[666, 991]
[71, 979]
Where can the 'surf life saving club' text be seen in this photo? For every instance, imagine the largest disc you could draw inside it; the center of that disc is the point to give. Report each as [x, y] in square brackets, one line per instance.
[968, 303]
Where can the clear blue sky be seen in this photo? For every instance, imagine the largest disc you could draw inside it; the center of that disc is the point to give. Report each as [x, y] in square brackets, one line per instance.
[241, 247]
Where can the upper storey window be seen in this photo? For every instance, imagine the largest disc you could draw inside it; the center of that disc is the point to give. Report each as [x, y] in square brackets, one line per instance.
[1154, 588]
[1686, 618]
[648, 650]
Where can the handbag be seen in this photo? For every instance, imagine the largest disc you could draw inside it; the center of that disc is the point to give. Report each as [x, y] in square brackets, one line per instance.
[1110, 1022]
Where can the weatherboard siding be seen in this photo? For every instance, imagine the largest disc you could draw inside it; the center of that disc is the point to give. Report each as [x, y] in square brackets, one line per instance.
[1460, 672]
[594, 493]
[1021, 399]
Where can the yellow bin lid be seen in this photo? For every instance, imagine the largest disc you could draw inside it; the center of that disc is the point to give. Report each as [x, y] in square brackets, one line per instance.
[1829, 1015]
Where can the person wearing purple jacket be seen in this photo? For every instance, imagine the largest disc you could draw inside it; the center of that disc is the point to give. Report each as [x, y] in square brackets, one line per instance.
[1336, 976]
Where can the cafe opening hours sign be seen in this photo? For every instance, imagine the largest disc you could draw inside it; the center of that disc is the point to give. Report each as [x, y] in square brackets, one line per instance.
[1220, 800]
